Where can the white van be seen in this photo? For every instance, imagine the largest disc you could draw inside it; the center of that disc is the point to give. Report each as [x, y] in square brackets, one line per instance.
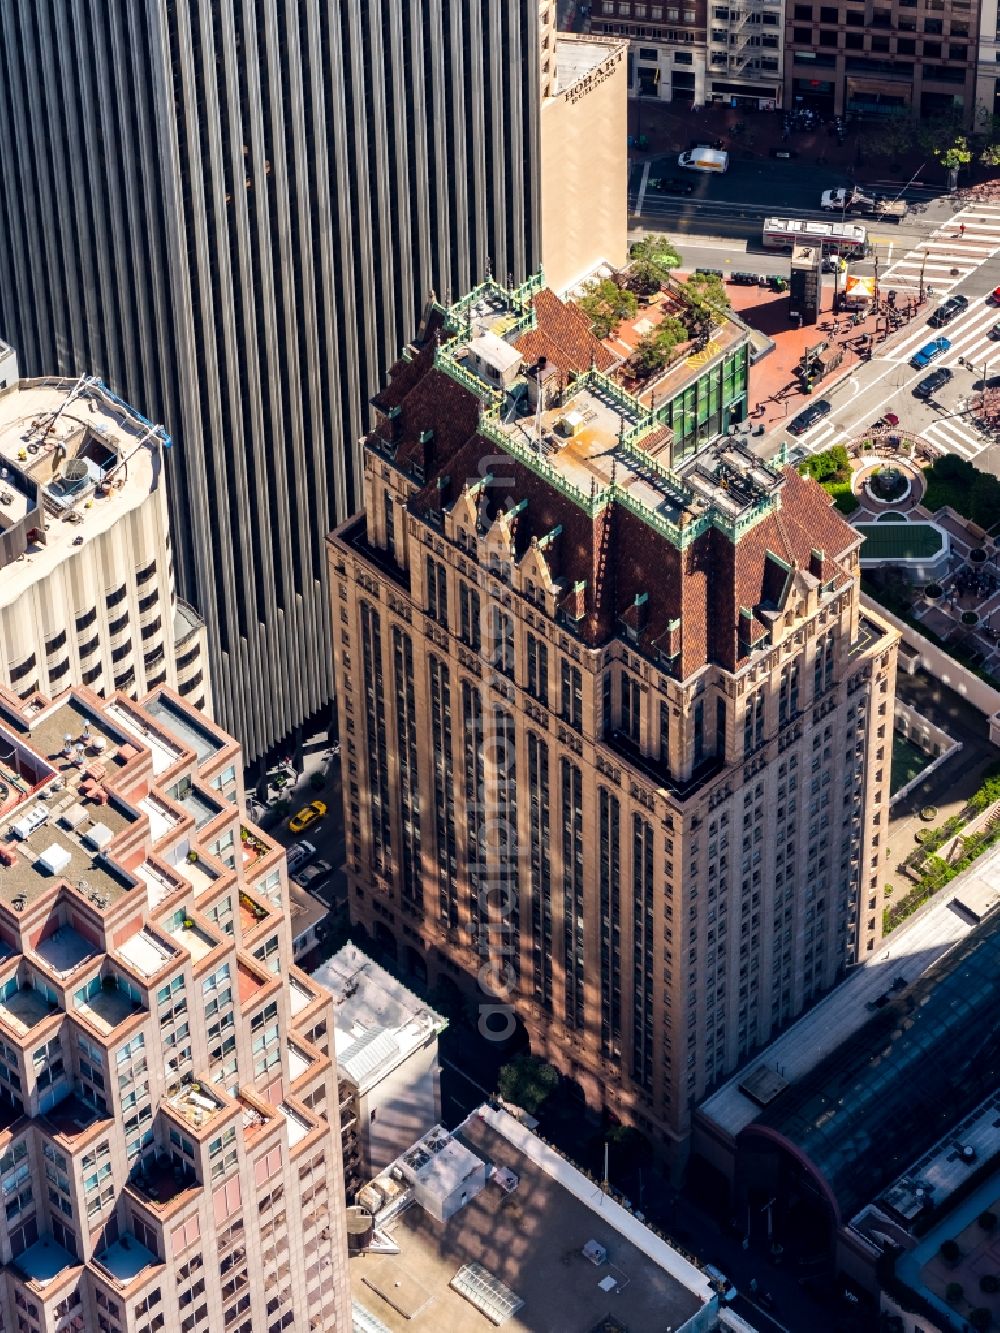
[704, 159]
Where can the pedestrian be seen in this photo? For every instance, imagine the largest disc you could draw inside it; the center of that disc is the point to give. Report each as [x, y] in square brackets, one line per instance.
[961, 229]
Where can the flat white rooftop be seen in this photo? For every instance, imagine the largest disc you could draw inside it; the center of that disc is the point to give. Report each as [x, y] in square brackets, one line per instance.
[907, 954]
[577, 56]
[146, 953]
[29, 425]
[377, 1021]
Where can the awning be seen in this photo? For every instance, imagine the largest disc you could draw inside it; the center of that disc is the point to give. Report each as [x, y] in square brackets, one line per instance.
[54, 858]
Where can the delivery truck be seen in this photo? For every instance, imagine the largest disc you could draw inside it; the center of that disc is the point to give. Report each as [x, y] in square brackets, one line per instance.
[840, 201]
[704, 159]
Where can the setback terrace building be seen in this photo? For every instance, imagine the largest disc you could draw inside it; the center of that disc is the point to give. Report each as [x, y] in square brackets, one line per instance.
[617, 733]
[169, 1136]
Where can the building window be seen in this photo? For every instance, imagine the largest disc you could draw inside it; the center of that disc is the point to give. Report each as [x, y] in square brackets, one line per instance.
[502, 634]
[664, 733]
[538, 669]
[113, 598]
[699, 731]
[19, 672]
[437, 591]
[446, 844]
[390, 525]
[87, 619]
[571, 695]
[541, 878]
[573, 920]
[642, 952]
[409, 773]
[470, 617]
[378, 758]
[610, 887]
[631, 710]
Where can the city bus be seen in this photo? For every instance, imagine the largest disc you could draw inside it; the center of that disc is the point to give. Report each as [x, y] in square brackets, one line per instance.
[843, 238]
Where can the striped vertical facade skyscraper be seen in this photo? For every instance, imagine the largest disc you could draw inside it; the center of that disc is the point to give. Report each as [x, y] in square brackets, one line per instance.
[232, 211]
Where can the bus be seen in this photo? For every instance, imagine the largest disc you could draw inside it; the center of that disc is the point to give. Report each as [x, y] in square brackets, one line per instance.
[843, 238]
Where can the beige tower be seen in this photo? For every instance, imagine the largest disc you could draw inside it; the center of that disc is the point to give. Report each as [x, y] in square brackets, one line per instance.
[169, 1132]
[584, 156]
[617, 730]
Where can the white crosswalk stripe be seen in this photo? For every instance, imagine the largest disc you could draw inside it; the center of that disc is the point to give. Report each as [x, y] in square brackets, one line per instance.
[949, 256]
[824, 435]
[952, 437]
[968, 335]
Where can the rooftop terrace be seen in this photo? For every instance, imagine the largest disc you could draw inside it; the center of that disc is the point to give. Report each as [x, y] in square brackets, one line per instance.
[528, 1228]
[183, 727]
[580, 430]
[60, 445]
[61, 825]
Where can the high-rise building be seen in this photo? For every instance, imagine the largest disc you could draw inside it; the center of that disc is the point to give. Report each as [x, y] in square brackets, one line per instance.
[86, 568]
[617, 731]
[232, 213]
[700, 52]
[169, 1135]
[891, 57]
[584, 171]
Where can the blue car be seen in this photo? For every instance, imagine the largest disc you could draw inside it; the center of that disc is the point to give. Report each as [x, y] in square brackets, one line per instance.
[928, 352]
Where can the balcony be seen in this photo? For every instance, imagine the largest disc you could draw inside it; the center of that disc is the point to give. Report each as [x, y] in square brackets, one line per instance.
[125, 1260]
[254, 847]
[108, 1008]
[43, 1261]
[24, 1010]
[189, 935]
[159, 1181]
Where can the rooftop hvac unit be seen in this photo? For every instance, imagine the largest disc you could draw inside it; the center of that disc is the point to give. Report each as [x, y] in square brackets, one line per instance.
[595, 1252]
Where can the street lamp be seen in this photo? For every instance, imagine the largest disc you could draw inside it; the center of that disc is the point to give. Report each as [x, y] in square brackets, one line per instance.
[922, 264]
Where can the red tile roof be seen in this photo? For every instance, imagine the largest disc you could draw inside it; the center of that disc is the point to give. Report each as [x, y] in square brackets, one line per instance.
[563, 336]
[614, 554]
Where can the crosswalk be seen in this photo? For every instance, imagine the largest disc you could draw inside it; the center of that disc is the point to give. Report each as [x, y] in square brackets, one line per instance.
[952, 435]
[824, 435]
[949, 256]
[969, 335]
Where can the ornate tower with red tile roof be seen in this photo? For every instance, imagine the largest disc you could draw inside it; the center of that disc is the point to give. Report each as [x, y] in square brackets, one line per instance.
[617, 732]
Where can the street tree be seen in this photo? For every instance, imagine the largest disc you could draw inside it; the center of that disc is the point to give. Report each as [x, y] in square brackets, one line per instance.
[527, 1081]
[606, 305]
[894, 136]
[651, 261]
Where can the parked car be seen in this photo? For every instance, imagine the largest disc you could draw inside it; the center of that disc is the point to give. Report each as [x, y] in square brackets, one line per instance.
[929, 351]
[309, 814]
[995, 330]
[930, 384]
[298, 854]
[312, 873]
[994, 296]
[813, 413]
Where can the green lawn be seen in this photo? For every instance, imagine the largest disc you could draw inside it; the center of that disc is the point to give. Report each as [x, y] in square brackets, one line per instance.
[898, 541]
[907, 761]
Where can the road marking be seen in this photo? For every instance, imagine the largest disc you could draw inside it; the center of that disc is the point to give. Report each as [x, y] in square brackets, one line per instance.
[948, 438]
[642, 190]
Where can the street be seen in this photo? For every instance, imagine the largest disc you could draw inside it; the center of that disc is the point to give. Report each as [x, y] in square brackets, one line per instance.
[969, 265]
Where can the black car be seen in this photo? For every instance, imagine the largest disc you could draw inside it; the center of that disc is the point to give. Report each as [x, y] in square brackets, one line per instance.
[947, 311]
[813, 413]
[930, 384]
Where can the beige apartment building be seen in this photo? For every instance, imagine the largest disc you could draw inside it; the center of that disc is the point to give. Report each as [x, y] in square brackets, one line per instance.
[584, 165]
[617, 731]
[86, 572]
[169, 1133]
